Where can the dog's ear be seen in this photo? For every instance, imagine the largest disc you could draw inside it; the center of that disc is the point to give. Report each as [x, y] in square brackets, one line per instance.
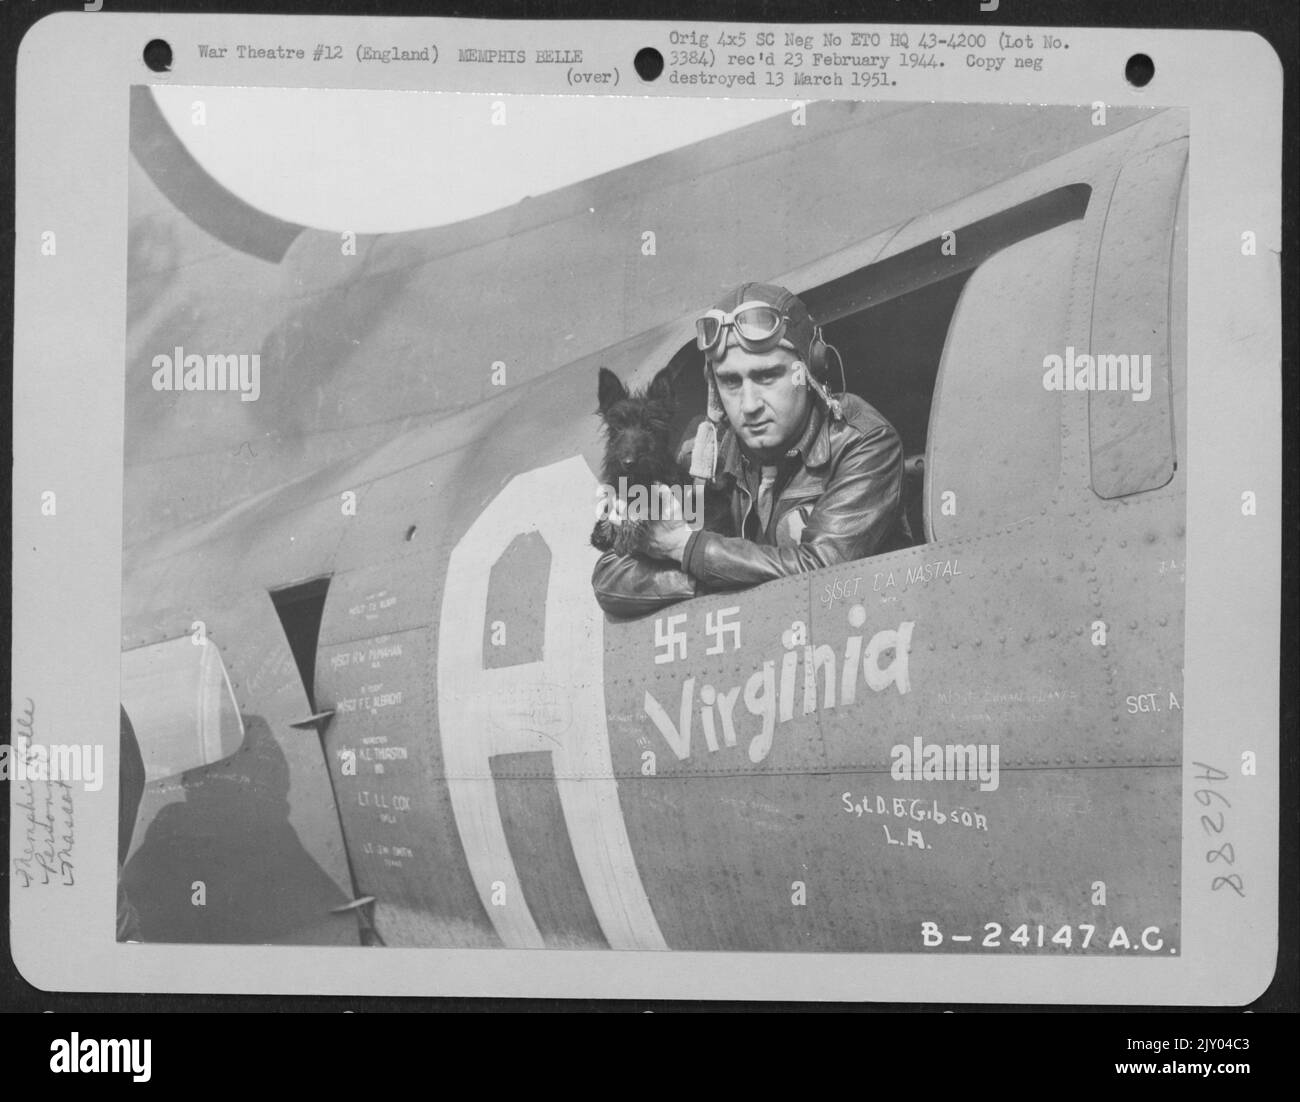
[609, 389]
[661, 389]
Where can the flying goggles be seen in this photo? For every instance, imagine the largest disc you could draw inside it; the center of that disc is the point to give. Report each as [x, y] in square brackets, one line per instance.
[758, 326]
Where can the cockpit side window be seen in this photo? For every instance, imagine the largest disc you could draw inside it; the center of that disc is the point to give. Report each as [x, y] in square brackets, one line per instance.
[182, 707]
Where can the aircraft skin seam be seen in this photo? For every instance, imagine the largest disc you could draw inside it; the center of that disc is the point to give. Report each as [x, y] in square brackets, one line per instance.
[1052, 511]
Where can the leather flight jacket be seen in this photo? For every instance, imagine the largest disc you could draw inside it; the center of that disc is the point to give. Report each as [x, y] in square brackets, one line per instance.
[837, 497]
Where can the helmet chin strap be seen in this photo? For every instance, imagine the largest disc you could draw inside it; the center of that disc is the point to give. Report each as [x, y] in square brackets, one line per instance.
[704, 452]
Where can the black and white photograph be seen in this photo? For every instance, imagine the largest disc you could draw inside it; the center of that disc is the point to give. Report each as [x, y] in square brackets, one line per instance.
[576, 522]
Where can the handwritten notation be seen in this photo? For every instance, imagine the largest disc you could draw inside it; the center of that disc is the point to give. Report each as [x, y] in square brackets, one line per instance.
[45, 853]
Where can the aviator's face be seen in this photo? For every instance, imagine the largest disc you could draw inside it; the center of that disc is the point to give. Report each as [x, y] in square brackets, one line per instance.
[765, 398]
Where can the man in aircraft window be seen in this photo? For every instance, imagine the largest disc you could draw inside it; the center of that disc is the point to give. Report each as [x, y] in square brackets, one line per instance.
[812, 478]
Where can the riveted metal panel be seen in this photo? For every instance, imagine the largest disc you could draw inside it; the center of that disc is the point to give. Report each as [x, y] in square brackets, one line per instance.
[702, 824]
[383, 752]
[1001, 655]
[728, 860]
[381, 599]
[514, 626]
[297, 531]
[1028, 852]
[1134, 554]
[537, 834]
[391, 562]
[746, 669]
[1000, 651]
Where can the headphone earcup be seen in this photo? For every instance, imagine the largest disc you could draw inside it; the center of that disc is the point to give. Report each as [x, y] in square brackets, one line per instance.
[817, 356]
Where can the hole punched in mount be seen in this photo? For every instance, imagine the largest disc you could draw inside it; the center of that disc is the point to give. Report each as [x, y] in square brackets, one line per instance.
[1139, 70]
[158, 55]
[649, 63]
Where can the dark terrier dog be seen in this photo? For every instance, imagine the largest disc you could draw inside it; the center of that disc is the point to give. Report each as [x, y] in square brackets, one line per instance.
[639, 453]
